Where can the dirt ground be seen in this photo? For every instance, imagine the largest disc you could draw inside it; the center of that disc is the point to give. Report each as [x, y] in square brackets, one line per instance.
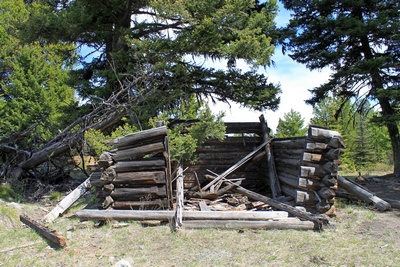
[385, 186]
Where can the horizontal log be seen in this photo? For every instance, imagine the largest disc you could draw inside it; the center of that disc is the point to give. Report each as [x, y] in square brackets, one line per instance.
[326, 193]
[311, 157]
[289, 143]
[232, 141]
[300, 196]
[136, 178]
[131, 193]
[299, 182]
[319, 133]
[336, 142]
[138, 152]
[140, 137]
[165, 215]
[138, 165]
[98, 182]
[286, 170]
[235, 224]
[243, 127]
[288, 153]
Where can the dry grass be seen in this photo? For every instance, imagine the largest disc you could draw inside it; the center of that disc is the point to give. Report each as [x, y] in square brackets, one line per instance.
[362, 238]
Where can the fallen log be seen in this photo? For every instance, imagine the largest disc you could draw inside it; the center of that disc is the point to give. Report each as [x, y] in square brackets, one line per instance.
[235, 224]
[44, 231]
[363, 194]
[66, 202]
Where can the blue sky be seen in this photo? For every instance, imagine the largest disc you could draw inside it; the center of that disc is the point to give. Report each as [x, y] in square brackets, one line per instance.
[295, 80]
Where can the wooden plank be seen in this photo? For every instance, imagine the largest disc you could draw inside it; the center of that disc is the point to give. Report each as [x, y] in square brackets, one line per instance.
[165, 215]
[203, 206]
[66, 202]
[235, 224]
[363, 194]
[44, 231]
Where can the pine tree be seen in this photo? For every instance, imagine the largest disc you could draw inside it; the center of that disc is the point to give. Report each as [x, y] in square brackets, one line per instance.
[34, 80]
[158, 49]
[360, 42]
[291, 125]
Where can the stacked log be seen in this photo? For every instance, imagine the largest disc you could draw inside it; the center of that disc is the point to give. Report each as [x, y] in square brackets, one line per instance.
[307, 167]
[136, 174]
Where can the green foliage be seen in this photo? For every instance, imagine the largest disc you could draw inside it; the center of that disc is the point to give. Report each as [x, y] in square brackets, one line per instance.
[56, 196]
[291, 125]
[366, 142]
[359, 42]
[97, 141]
[159, 46]
[7, 193]
[184, 140]
[33, 81]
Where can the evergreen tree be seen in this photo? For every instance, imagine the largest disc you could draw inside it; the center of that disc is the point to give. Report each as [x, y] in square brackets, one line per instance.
[360, 42]
[291, 125]
[33, 81]
[158, 48]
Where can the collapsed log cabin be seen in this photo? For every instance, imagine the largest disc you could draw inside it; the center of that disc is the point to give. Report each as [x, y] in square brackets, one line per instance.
[282, 173]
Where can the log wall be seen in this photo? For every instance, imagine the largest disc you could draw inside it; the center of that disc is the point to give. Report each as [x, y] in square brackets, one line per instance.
[136, 174]
[217, 156]
[307, 167]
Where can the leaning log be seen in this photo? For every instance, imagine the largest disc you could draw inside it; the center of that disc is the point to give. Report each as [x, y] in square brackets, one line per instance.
[66, 202]
[363, 194]
[318, 220]
[44, 231]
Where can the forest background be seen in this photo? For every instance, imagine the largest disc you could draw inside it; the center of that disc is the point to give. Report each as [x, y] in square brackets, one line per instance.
[152, 60]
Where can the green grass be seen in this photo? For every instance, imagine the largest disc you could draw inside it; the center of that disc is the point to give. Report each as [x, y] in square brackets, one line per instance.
[362, 237]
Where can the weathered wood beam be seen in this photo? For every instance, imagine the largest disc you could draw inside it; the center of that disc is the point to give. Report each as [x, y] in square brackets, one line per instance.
[66, 202]
[363, 194]
[165, 215]
[137, 152]
[127, 193]
[273, 179]
[140, 137]
[139, 165]
[44, 231]
[318, 221]
[235, 224]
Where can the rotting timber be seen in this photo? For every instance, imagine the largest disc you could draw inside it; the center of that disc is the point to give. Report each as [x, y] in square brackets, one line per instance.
[276, 174]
